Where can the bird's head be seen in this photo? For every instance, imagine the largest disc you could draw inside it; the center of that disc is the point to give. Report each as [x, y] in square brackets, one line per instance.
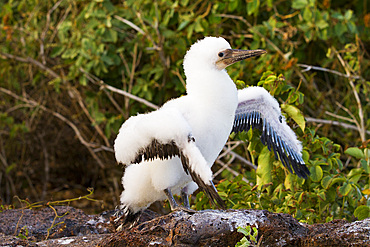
[215, 53]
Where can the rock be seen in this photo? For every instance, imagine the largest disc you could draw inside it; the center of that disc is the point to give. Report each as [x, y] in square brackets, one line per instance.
[80, 241]
[219, 228]
[20, 226]
[72, 227]
[339, 233]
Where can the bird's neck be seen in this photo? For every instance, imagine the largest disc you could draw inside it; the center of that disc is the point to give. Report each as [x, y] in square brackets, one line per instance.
[213, 87]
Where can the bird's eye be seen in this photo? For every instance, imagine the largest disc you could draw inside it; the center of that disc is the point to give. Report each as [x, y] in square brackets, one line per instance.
[221, 54]
[281, 119]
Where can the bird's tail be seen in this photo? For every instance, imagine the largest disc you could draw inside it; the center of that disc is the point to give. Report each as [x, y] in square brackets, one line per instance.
[126, 217]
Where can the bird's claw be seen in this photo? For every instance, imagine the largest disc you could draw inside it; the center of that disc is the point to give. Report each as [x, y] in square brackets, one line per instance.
[188, 210]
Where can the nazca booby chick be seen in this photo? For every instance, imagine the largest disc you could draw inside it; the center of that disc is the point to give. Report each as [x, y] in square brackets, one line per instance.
[172, 149]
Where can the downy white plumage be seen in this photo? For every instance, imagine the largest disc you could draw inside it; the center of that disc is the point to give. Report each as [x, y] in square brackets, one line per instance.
[171, 150]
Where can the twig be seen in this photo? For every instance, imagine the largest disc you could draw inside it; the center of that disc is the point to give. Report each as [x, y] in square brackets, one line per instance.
[156, 47]
[103, 148]
[9, 183]
[242, 159]
[115, 104]
[333, 122]
[267, 40]
[46, 168]
[138, 29]
[177, 73]
[131, 81]
[34, 104]
[239, 157]
[52, 224]
[43, 34]
[20, 218]
[309, 67]
[126, 87]
[103, 85]
[361, 126]
[33, 61]
[341, 117]
[235, 173]
[56, 29]
[224, 166]
[77, 94]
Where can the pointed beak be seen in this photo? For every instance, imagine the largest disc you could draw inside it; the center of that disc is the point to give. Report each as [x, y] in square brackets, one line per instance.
[231, 56]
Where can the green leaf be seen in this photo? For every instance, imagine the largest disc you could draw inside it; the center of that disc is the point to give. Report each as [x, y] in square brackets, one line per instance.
[340, 29]
[183, 25]
[326, 181]
[264, 169]
[345, 189]
[337, 180]
[110, 35]
[10, 168]
[362, 212]
[296, 114]
[321, 24]
[322, 195]
[355, 152]
[355, 172]
[299, 4]
[316, 173]
[307, 14]
[245, 230]
[289, 182]
[56, 51]
[348, 14]
[222, 194]
[365, 166]
[340, 164]
[252, 7]
[70, 53]
[198, 26]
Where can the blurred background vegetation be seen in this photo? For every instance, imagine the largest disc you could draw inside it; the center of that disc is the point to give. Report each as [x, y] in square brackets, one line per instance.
[71, 72]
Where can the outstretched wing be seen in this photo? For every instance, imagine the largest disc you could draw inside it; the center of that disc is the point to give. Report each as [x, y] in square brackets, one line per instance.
[164, 134]
[258, 109]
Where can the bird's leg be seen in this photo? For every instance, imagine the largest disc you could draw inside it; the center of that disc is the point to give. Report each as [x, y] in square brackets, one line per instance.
[185, 198]
[173, 203]
[185, 201]
[171, 200]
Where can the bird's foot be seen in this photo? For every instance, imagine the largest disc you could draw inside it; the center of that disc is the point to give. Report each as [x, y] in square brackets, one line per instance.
[185, 209]
[124, 218]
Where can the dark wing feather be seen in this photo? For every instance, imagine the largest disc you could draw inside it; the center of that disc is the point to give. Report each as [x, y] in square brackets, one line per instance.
[263, 113]
[169, 150]
[157, 150]
[210, 190]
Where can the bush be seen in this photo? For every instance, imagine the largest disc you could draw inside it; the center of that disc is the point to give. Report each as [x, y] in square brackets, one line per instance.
[65, 65]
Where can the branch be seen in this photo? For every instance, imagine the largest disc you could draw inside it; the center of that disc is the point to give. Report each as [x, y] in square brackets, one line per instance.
[103, 85]
[309, 67]
[333, 122]
[235, 173]
[361, 128]
[33, 103]
[33, 61]
[43, 34]
[342, 118]
[267, 40]
[77, 94]
[138, 29]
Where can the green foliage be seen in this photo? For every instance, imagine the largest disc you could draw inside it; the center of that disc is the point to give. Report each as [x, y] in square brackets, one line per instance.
[250, 236]
[362, 212]
[58, 60]
[23, 233]
[329, 193]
